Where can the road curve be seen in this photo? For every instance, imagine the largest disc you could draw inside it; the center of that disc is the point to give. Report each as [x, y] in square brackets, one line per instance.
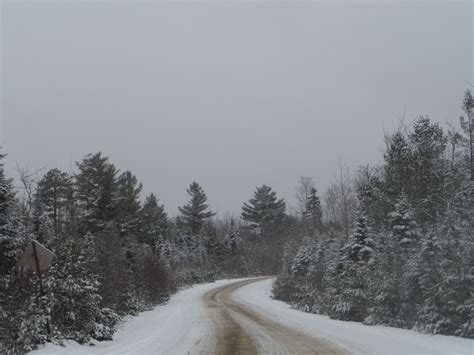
[241, 330]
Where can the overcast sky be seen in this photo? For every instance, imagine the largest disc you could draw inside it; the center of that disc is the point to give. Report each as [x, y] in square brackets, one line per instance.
[230, 94]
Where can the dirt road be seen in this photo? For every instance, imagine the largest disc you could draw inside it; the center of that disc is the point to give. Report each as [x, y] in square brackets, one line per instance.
[240, 330]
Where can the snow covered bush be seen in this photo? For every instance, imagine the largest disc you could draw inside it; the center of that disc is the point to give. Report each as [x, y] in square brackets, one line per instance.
[105, 324]
[72, 297]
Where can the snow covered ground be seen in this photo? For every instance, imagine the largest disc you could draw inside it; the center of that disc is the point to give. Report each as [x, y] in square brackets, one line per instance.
[178, 327]
[355, 337]
[184, 325]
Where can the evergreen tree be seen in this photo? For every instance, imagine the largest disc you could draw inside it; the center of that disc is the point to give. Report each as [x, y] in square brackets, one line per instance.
[215, 252]
[196, 211]
[114, 268]
[11, 242]
[428, 146]
[27, 320]
[155, 222]
[404, 227]
[96, 187]
[164, 250]
[386, 306]
[395, 295]
[264, 208]
[398, 167]
[351, 299]
[467, 124]
[429, 316]
[128, 205]
[231, 239]
[54, 198]
[72, 296]
[361, 245]
[314, 212]
[301, 262]
[373, 197]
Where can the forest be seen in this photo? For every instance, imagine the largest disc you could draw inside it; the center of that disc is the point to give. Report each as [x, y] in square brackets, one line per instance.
[390, 243]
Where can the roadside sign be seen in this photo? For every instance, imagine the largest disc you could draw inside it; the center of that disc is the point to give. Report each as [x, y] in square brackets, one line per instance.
[37, 258]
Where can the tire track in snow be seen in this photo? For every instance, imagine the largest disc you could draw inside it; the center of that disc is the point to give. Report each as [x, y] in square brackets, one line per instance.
[240, 330]
[230, 336]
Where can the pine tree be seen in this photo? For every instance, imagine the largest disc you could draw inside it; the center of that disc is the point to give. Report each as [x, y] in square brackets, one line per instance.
[467, 124]
[54, 198]
[96, 187]
[404, 227]
[264, 209]
[232, 238]
[428, 146]
[11, 243]
[351, 298]
[360, 246]
[128, 205]
[301, 262]
[16, 316]
[114, 267]
[373, 197]
[215, 252]
[398, 167]
[394, 296]
[386, 291]
[72, 296]
[313, 212]
[164, 250]
[196, 211]
[429, 317]
[154, 220]
[28, 323]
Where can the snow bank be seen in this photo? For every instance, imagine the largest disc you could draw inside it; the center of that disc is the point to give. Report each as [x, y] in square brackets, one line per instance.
[355, 337]
[179, 327]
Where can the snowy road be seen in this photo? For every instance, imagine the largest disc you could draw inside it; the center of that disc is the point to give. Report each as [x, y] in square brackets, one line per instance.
[241, 330]
[239, 317]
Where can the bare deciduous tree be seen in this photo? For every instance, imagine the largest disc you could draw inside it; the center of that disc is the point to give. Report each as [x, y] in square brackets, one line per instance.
[341, 201]
[303, 190]
[29, 180]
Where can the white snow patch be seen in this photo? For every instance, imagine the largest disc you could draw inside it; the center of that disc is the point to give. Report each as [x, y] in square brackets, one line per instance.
[355, 337]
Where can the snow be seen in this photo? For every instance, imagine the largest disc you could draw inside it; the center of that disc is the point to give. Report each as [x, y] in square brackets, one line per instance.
[355, 337]
[178, 327]
[183, 326]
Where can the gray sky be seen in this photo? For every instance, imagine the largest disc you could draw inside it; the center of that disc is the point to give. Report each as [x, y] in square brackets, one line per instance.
[230, 94]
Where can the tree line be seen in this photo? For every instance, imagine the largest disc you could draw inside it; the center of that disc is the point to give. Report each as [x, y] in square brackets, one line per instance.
[115, 254]
[408, 260]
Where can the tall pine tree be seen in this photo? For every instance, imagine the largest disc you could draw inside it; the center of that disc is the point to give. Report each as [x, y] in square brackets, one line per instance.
[54, 196]
[128, 205]
[196, 211]
[313, 212]
[155, 222]
[11, 243]
[264, 209]
[96, 192]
